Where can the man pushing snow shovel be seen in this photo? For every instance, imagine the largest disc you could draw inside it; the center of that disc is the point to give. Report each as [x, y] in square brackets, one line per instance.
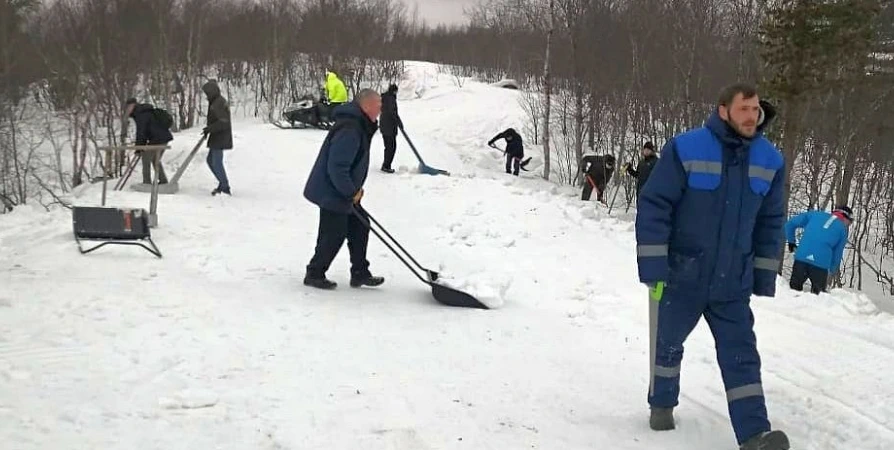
[709, 231]
[335, 185]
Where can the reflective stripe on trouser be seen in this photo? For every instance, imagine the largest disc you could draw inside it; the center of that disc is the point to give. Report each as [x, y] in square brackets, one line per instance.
[731, 324]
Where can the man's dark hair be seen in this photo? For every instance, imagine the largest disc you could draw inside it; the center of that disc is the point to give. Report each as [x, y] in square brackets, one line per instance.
[730, 92]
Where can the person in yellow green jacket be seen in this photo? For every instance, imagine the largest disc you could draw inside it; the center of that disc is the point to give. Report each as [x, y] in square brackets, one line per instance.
[335, 89]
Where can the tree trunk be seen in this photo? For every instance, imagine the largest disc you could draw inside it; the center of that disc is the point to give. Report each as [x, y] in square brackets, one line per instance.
[547, 92]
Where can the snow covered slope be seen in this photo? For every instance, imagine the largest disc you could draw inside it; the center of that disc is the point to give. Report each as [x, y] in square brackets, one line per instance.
[219, 346]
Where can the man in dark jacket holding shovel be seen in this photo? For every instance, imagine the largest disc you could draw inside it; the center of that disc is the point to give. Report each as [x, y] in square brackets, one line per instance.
[335, 185]
[515, 149]
[220, 135]
[389, 122]
[597, 172]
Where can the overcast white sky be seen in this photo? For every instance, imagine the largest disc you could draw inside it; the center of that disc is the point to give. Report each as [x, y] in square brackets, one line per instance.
[442, 11]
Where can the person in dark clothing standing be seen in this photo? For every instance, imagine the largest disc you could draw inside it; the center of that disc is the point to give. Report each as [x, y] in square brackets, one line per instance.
[515, 149]
[220, 135]
[597, 173]
[149, 132]
[644, 169]
[335, 185]
[389, 122]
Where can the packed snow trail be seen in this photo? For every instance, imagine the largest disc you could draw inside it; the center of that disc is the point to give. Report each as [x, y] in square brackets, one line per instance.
[219, 345]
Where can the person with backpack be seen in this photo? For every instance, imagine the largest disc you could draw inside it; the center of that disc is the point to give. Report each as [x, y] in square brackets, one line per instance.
[821, 247]
[597, 172]
[153, 128]
[389, 122]
[515, 149]
[644, 169]
[220, 135]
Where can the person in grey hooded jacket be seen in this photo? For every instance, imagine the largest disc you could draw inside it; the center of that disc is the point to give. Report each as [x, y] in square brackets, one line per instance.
[220, 135]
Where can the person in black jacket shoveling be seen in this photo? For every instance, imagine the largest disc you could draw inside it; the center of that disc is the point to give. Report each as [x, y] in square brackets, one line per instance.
[150, 131]
[220, 135]
[335, 185]
[515, 149]
[644, 169]
[597, 172]
[389, 122]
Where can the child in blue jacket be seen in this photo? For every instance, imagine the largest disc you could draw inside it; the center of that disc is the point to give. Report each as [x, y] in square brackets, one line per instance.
[821, 247]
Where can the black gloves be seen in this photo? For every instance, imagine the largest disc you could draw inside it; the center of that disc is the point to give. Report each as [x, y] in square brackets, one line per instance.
[792, 246]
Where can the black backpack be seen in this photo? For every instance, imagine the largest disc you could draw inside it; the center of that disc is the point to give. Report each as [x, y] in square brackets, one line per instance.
[163, 117]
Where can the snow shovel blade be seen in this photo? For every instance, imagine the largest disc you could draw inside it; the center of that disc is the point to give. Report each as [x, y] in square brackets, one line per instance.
[452, 297]
[428, 170]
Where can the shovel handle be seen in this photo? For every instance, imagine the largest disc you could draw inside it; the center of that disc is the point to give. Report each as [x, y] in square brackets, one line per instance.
[356, 209]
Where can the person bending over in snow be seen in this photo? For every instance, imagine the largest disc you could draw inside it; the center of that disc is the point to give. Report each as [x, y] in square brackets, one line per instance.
[335, 185]
[597, 172]
[514, 151]
[150, 131]
[821, 248]
[709, 231]
[389, 122]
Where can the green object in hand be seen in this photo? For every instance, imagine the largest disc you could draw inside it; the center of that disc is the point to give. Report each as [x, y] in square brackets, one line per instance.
[656, 291]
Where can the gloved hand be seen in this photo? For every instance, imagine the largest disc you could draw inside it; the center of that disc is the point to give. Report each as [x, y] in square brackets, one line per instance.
[792, 246]
[206, 130]
[656, 290]
[358, 196]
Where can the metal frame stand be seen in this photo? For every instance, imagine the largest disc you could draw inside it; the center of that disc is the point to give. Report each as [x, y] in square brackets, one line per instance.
[153, 197]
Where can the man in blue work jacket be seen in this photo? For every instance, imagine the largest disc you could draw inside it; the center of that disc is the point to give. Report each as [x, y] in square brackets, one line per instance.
[821, 248]
[709, 232]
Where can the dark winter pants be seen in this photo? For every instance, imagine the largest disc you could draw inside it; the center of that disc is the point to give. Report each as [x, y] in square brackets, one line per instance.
[215, 163]
[147, 167]
[731, 323]
[334, 228]
[512, 164]
[588, 189]
[390, 149]
[802, 271]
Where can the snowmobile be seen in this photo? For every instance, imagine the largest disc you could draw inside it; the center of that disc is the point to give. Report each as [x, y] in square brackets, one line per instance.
[307, 113]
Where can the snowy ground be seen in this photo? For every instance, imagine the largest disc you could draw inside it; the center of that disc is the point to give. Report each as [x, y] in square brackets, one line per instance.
[219, 346]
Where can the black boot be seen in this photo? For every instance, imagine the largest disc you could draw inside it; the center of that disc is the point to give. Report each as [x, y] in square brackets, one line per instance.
[368, 280]
[662, 419]
[387, 169]
[320, 283]
[768, 440]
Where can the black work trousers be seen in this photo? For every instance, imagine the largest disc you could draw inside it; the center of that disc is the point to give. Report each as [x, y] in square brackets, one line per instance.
[802, 271]
[390, 149]
[334, 228]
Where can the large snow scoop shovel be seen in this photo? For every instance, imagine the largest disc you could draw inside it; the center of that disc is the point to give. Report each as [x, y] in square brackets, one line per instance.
[443, 294]
[423, 168]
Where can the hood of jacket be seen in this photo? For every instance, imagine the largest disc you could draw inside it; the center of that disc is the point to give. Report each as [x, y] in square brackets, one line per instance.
[211, 90]
[140, 108]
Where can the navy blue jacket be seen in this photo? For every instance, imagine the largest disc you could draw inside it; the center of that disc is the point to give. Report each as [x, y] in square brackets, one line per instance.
[149, 131]
[710, 217]
[343, 163]
[822, 244]
[514, 145]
